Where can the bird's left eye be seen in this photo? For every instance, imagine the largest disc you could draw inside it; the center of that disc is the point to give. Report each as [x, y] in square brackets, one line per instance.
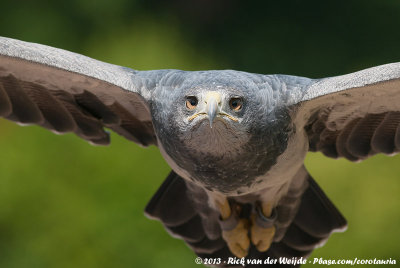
[236, 104]
[191, 102]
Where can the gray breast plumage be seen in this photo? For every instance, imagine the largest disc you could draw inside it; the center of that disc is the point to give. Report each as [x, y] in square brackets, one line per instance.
[224, 158]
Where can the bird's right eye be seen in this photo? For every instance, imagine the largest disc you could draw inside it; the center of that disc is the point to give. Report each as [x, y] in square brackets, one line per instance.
[191, 102]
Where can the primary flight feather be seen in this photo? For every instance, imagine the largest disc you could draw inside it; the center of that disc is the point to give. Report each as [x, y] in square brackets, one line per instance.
[235, 141]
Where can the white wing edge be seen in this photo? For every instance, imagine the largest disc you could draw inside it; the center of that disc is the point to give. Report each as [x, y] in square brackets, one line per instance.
[117, 75]
[374, 75]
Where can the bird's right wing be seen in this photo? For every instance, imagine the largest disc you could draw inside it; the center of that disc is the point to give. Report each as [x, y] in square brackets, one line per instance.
[67, 92]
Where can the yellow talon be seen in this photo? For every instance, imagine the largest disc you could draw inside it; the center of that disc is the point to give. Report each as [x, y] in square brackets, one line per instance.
[237, 239]
[234, 230]
[263, 230]
[261, 237]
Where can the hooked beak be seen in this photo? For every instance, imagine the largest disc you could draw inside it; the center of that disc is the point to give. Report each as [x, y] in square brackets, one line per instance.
[213, 108]
[213, 99]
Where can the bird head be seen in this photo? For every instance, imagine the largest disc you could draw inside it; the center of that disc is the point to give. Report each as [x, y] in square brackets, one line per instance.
[217, 128]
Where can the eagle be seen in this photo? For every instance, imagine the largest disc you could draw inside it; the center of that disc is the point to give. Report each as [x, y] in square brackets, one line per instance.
[235, 141]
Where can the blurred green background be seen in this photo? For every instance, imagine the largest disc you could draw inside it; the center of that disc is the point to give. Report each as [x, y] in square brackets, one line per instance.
[64, 203]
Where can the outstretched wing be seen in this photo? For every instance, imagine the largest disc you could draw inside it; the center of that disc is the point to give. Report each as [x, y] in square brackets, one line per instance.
[67, 92]
[354, 116]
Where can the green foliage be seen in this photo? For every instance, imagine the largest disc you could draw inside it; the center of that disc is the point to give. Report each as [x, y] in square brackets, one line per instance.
[64, 203]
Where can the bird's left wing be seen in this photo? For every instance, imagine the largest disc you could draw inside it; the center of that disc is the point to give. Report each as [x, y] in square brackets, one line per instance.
[355, 115]
[67, 92]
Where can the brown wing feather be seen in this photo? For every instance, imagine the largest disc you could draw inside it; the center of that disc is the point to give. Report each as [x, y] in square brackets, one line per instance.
[63, 101]
[357, 123]
[385, 134]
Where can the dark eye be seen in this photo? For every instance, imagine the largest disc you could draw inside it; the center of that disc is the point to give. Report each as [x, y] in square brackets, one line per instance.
[236, 104]
[191, 102]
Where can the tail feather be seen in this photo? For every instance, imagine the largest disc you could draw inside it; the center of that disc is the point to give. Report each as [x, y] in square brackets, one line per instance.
[175, 207]
[300, 240]
[207, 246]
[170, 204]
[190, 231]
[282, 250]
[317, 215]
